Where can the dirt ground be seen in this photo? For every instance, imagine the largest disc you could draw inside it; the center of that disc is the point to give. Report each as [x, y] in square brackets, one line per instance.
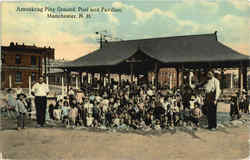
[61, 143]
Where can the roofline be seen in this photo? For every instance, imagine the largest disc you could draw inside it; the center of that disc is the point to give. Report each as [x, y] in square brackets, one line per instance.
[177, 63]
[207, 34]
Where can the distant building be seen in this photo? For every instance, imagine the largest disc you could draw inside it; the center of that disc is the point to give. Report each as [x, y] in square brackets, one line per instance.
[19, 61]
[56, 74]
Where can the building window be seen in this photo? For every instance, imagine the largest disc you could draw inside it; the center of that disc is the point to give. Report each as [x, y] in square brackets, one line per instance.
[33, 60]
[33, 76]
[18, 59]
[18, 76]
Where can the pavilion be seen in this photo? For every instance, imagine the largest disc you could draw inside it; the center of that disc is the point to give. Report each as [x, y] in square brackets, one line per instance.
[138, 57]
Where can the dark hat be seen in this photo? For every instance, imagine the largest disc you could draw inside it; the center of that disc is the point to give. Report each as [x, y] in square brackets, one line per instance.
[9, 90]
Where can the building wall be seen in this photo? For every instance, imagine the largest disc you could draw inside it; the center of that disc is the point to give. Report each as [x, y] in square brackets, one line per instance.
[24, 83]
[11, 70]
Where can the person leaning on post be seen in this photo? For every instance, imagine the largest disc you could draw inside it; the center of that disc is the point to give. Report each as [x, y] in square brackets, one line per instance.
[40, 90]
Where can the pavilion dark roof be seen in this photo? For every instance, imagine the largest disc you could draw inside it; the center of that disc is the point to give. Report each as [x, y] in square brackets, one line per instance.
[179, 49]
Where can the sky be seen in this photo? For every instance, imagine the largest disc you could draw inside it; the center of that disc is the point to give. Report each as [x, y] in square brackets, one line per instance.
[136, 19]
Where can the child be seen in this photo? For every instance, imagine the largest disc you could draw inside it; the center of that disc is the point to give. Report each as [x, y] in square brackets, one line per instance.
[65, 111]
[73, 113]
[192, 102]
[116, 121]
[196, 114]
[157, 125]
[186, 116]
[108, 117]
[11, 103]
[90, 120]
[21, 110]
[181, 113]
[51, 111]
[58, 110]
[234, 110]
[176, 116]
[96, 111]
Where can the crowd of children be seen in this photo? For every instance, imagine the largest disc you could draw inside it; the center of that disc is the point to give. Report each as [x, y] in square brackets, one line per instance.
[128, 106]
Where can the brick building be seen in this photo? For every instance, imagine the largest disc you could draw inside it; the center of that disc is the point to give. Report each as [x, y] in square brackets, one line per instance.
[20, 61]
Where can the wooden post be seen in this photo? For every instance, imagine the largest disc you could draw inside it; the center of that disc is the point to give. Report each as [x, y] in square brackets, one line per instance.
[77, 82]
[109, 78]
[80, 79]
[240, 78]
[120, 79]
[10, 81]
[101, 79]
[63, 84]
[136, 79]
[156, 71]
[104, 81]
[47, 79]
[68, 80]
[170, 81]
[29, 84]
[177, 77]
[244, 71]
[222, 80]
[231, 80]
[131, 72]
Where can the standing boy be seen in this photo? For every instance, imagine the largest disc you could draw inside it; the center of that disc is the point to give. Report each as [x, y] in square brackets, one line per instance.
[21, 111]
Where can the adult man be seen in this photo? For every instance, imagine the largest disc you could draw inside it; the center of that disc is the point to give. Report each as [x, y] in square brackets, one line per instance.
[40, 90]
[212, 89]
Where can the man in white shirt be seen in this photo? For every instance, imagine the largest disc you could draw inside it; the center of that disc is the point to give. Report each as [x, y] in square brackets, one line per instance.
[40, 90]
[213, 91]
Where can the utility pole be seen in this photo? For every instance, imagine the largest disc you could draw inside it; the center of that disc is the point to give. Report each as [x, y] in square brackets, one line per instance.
[1, 60]
[102, 37]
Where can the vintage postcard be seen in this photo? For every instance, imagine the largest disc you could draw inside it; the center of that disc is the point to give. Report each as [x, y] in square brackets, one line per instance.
[125, 80]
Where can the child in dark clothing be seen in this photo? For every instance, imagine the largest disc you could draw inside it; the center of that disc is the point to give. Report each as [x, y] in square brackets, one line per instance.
[196, 114]
[186, 117]
[108, 117]
[51, 110]
[21, 111]
[234, 109]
